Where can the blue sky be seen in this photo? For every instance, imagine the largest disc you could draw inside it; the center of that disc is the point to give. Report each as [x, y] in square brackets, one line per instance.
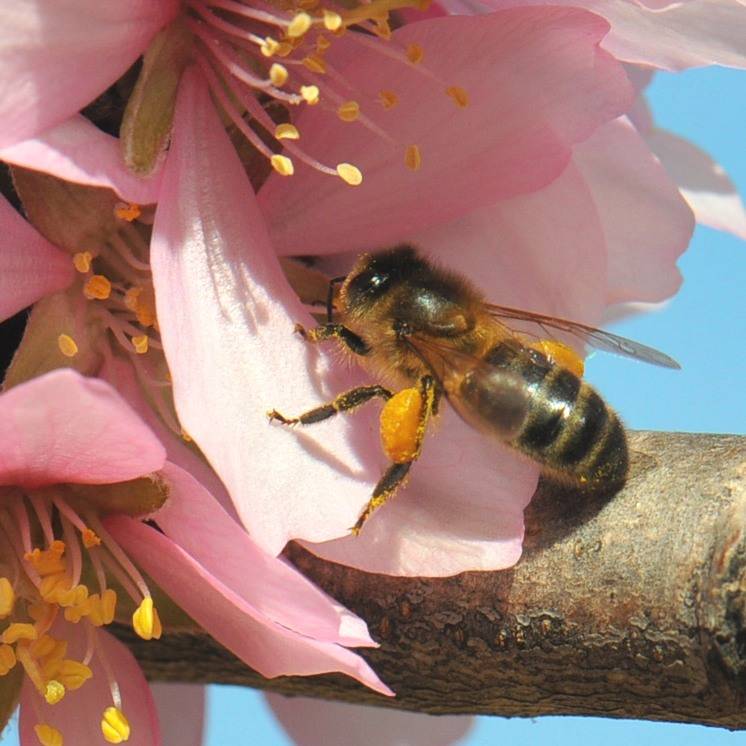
[703, 328]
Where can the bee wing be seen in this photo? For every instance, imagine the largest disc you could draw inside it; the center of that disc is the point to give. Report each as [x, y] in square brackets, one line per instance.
[484, 396]
[596, 338]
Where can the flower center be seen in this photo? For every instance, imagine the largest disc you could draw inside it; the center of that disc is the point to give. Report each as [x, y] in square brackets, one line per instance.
[44, 590]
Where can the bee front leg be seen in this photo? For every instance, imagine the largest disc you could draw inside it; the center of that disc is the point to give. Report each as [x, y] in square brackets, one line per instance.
[404, 421]
[343, 403]
[346, 336]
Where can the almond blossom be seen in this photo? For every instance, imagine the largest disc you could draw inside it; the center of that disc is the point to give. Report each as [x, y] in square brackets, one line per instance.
[474, 151]
[77, 473]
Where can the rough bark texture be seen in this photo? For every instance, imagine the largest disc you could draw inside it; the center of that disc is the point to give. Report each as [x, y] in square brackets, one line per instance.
[632, 606]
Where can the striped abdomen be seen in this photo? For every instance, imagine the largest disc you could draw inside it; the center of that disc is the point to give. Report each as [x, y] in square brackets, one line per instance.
[563, 424]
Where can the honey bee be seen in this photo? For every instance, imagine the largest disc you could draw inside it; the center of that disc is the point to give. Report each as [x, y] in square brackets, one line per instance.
[430, 333]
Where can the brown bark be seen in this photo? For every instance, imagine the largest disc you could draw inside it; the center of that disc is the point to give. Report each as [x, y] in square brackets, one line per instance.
[633, 606]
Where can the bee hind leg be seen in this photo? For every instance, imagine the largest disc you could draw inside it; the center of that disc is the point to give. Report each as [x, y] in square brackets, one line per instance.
[387, 485]
[345, 402]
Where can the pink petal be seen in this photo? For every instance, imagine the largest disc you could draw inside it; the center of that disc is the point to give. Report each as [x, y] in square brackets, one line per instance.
[268, 647]
[704, 184]
[77, 151]
[181, 712]
[30, 266]
[78, 715]
[57, 56]
[62, 427]
[538, 85]
[194, 520]
[646, 222]
[226, 315]
[314, 722]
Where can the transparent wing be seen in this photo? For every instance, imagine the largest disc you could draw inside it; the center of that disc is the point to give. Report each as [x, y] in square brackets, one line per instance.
[596, 338]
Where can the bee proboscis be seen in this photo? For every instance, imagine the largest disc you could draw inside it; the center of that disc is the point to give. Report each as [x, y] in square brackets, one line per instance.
[429, 332]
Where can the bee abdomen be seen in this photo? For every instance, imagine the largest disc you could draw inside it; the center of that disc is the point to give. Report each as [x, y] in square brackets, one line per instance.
[568, 427]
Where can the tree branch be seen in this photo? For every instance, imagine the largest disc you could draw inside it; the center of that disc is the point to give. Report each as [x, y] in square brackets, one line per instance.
[629, 607]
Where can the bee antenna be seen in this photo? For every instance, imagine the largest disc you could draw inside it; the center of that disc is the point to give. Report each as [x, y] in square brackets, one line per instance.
[330, 296]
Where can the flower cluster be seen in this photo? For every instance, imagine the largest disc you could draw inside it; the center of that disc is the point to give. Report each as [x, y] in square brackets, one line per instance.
[169, 157]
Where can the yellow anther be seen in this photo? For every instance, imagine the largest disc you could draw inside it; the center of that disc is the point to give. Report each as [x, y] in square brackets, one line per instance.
[90, 538]
[282, 164]
[185, 436]
[42, 613]
[48, 735]
[269, 46]
[45, 646]
[97, 287]
[332, 20]
[7, 597]
[145, 307]
[322, 44]
[54, 692]
[7, 659]
[145, 620]
[299, 25]
[114, 725]
[388, 99]
[128, 211]
[140, 343]
[310, 94]
[382, 29]
[349, 173]
[47, 561]
[73, 597]
[73, 674]
[315, 64]
[415, 53]
[349, 111]
[67, 345]
[53, 587]
[307, 4]
[284, 48]
[278, 74]
[131, 298]
[413, 157]
[287, 132]
[459, 95]
[18, 631]
[82, 261]
[74, 614]
[109, 605]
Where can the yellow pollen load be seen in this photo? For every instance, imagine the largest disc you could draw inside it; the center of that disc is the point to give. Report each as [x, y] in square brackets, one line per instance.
[459, 95]
[90, 538]
[388, 99]
[415, 53]
[269, 46]
[18, 631]
[332, 20]
[282, 164]
[350, 174]
[54, 692]
[310, 94]
[48, 735]
[561, 354]
[7, 598]
[82, 261]
[299, 25]
[128, 211]
[278, 74]
[67, 345]
[97, 287]
[349, 111]
[400, 425]
[145, 620]
[140, 343]
[115, 726]
[287, 132]
[315, 64]
[413, 158]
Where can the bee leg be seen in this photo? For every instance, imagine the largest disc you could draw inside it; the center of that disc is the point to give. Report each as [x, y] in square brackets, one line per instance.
[405, 452]
[343, 403]
[347, 337]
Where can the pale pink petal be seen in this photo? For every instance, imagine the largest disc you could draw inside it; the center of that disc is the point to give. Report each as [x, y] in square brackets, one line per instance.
[226, 316]
[315, 722]
[193, 519]
[268, 647]
[704, 183]
[538, 84]
[181, 712]
[463, 507]
[78, 151]
[57, 55]
[30, 266]
[78, 715]
[647, 223]
[63, 427]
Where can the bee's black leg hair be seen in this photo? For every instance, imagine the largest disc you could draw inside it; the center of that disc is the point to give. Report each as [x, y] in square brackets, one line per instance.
[343, 403]
[395, 475]
[334, 331]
